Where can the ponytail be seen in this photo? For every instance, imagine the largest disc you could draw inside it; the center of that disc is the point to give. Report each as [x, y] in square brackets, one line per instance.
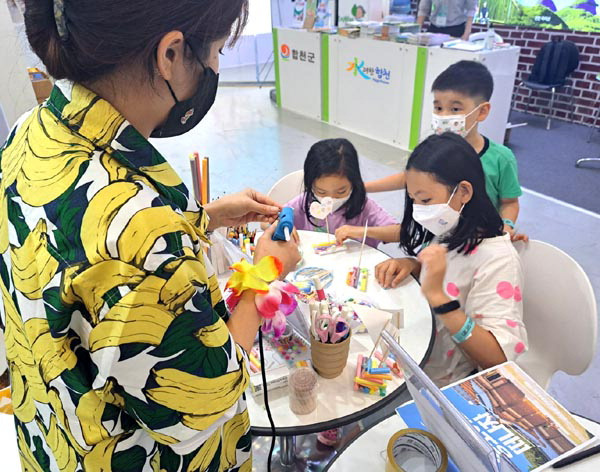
[86, 40]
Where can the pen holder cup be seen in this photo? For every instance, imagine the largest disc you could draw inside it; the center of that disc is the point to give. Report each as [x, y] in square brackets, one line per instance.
[302, 390]
[329, 360]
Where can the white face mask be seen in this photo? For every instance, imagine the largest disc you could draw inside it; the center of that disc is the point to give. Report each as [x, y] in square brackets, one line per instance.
[337, 202]
[438, 218]
[454, 123]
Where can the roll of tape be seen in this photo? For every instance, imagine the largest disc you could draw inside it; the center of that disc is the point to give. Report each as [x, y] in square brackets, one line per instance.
[415, 440]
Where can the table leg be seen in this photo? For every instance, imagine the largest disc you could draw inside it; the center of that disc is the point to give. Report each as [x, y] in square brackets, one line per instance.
[287, 450]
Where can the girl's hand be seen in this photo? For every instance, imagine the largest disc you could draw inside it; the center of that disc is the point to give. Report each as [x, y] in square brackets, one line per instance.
[390, 273]
[519, 237]
[345, 232]
[514, 236]
[241, 208]
[286, 252]
[433, 271]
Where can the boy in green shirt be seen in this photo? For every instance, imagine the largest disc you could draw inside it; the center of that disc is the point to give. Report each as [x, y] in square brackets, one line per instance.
[461, 96]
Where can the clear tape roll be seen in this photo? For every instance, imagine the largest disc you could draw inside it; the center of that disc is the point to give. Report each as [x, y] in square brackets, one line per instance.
[411, 440]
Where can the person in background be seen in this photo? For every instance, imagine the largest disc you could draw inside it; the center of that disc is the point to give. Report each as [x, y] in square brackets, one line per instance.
[122, 354]
[331, 169]
[461, 100]
[453, 17]
[469, 270]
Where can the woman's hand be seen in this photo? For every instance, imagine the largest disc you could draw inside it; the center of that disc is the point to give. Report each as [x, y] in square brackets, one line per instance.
[346, 232]
[241, 208]
[286, 252]
[390, 273]
[433, 271]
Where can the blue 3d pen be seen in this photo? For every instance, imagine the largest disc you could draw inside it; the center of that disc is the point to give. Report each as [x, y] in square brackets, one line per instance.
[285, 225]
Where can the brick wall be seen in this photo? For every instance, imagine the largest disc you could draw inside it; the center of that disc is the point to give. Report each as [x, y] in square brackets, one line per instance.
[586, 89]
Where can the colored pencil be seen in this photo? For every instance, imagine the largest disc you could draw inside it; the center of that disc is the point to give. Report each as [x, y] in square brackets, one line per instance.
[194, 177]
[205, 181]
[199, 176]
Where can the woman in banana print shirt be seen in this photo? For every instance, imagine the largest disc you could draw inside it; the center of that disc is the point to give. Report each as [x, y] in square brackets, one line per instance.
[122, 355]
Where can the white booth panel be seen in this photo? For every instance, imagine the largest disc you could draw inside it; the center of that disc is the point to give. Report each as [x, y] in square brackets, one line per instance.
[299, 57]
[368, 89]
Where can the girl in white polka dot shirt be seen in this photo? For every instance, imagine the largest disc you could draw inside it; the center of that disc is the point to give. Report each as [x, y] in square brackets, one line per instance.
[469, 271]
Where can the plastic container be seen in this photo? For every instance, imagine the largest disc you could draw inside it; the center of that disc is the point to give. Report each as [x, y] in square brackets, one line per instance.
[302, 384]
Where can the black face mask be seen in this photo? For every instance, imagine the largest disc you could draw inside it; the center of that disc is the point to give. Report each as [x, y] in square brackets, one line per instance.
[188, 113]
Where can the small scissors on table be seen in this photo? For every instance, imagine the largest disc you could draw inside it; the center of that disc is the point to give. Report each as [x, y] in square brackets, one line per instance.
[331, 329]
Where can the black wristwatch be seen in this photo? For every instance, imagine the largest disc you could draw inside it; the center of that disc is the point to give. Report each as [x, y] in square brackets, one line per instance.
[446, 307]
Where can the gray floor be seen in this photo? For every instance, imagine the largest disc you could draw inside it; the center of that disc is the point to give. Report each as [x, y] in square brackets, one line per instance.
[546, 159]
[252, 143]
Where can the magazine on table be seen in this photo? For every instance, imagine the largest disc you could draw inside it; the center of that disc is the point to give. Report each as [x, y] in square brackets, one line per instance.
[498, 419]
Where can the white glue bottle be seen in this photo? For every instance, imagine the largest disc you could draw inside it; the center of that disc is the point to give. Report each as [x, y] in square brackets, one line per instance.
[490, 40]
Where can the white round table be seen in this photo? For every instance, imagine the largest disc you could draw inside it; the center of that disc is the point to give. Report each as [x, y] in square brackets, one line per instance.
[376, 438]
[337, 402]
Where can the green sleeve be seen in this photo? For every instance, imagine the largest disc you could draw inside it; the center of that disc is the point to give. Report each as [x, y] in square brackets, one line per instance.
[508, 181]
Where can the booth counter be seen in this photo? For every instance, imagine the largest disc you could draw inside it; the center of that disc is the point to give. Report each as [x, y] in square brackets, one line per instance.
[378, 89]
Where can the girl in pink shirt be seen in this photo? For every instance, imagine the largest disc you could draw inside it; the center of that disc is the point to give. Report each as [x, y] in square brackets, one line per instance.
[331, 169]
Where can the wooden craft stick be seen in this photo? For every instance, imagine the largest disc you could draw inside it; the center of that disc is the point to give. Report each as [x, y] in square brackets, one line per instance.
[363, 243]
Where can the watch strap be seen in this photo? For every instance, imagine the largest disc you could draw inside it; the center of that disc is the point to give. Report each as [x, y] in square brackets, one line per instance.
[446, 307]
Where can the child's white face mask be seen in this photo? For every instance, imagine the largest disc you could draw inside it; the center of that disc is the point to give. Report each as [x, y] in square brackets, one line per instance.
[454, 123]
[337, 202]
[438, 218]
[340, 202]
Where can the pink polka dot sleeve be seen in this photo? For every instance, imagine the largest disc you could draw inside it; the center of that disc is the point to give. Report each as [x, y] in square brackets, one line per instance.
[495, 302]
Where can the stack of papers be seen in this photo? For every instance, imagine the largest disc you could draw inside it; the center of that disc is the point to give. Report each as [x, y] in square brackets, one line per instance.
[463, 45]
[428, 39]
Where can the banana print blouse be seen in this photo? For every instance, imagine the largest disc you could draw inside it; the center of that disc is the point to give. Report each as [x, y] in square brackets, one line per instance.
[118, 351]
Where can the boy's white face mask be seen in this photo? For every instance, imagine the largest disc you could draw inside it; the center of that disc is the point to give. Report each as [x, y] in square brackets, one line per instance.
[454, 123]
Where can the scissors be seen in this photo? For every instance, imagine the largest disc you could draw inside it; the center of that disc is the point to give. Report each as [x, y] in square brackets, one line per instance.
[331, 328]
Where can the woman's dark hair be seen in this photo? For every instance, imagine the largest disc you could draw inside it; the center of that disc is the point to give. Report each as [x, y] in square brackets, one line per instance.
[104, 36]
[334, 157]
[449, 159]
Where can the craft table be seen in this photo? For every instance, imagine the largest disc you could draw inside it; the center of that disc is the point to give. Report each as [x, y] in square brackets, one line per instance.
[376, 438]
[338, 404]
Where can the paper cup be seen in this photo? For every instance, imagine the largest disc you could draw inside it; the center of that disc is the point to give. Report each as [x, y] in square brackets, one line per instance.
[329, 360]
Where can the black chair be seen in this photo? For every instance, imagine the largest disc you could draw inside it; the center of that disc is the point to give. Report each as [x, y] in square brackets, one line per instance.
[554, 62]
[592, 129]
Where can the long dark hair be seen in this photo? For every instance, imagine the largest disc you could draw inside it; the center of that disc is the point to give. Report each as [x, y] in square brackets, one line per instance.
[103, 37]
[334, 157]
[450, 159]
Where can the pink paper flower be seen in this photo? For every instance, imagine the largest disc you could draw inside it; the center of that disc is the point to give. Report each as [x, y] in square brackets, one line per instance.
[275, 305]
